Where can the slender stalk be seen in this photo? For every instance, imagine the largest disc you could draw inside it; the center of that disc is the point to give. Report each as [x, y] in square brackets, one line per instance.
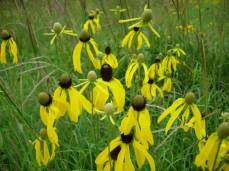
[217, 152]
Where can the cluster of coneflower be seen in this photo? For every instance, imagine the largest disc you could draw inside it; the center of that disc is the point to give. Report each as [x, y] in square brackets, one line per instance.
[107, 98]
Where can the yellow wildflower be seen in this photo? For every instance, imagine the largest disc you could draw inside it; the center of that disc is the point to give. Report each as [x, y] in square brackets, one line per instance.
[7, 40]
[134, 65]
[87, 42]
[183, 106]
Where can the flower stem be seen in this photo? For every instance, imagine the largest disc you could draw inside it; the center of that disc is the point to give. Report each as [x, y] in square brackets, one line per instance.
[217, 152]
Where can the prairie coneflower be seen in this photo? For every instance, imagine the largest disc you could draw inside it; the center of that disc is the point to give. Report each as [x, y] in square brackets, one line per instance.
[150, 90]
[74, 100]
[58, 30]
[117, 155]
[135, 33]
[89, 44]
[169, 63]
[138, 118]
[178, 51]
[109, 58]
[7, 40]
[144, 20]
[43, 155]
[167, 85]
[155, 70]
[135, 64]
[215, 150]
[183, 106]
[104, 85]
[92, 22]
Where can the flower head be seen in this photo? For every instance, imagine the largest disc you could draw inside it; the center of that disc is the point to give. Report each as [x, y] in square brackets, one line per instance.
[91, 49]
[59, 30]
[93, 21]
[215, 149]
[8, 41]
[184, 106]
[109, 58]
[74, 100]
[134, 65]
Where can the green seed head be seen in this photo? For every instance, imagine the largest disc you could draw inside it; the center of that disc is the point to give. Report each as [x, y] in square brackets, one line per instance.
[57, 27]
[44, 99]
[43, 133]
[147, 15]
[109, 108]
[225, 116]
[65, 81]
[84, 36]
[223, 130]
[138, 103]
[92, 76]
[5, 35]
[190, 98]
[140, 57]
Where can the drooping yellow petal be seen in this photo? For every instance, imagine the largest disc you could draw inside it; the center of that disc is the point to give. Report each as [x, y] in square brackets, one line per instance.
[153, 30]
[130, 73]
[86, 24]
[120, 160]
[139, 43]
[118, 93]
[130, 121]
[46, 157]
[146, 154]
[3, 52]
[128, 165]
[129, 20]
[75, 108]
[86, 104]
[13, 50]
[100, 97]
[146, 40]
[173, 107]
[95, 62]
[130, 42]
[126, 39]
[43, 115]
[145, 91]
[146, 75]
[38, 151]
[173, 117]
[76, 57]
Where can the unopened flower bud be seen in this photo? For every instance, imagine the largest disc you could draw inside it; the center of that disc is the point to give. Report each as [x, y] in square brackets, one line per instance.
[57, 27]
[223, 130]
[147, 15]
[109, 108]
[92, 76]
[190, 98]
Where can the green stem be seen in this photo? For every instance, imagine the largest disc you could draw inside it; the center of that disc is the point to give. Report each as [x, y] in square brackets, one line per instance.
[217, 152]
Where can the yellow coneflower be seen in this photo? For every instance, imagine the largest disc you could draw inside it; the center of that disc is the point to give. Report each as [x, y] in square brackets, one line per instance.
[178, 51]
[183, 106]
[104, 85]
[150, 90]
[116, 156]
[168, 84]
[155, 70]
[58, 30]
[43, 154]
[135, 64]
[92, 21]
[135, 33]
[169, 63]
[97, 18]
[7, 40]
[188, 28]
[215, 150]
[50, 106]
[87, 42]
[138, 117]
[109, 58]
[76, 101]
[144, 20]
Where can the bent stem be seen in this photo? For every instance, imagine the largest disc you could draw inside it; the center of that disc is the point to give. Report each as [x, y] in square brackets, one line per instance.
[217, 152]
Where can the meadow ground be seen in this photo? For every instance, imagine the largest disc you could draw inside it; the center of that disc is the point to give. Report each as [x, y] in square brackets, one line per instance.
[204, 70]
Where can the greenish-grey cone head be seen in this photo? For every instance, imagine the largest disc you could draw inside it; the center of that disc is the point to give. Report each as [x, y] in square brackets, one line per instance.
[223, 130]
[92, 76]
[141, 57]
[5, 35]
[157, 59]
[109, 108]
[127, 138]
[43, 133]
[138, 102]
[84, 36]
[190, 98]
[65, 81]
[57, 27]
[44, 99]
[147, 15]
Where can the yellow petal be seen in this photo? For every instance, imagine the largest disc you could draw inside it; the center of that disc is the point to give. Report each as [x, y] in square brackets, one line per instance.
[43, 115]
[128, 165]
[146, 40]
[3, 52]
[120, 159]
[13, 50]
[94, 61]
[46, 153]
[76, 57]
[38, 151]
[100, 97]
[130, 73]
[139, 44]
[126, 39]
[75, 108]
[146, 78]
